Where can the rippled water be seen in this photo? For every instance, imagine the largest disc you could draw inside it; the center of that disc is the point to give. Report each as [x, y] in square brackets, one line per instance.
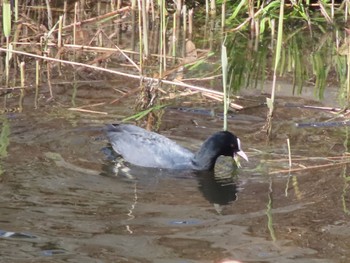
[61, 202]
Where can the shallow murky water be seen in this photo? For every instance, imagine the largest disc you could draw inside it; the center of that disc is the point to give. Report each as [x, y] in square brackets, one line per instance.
[60, 202]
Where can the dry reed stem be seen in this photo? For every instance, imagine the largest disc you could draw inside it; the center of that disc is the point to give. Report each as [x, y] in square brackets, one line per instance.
[131, 92]
[322, 166]
[245, 22]
[307, 159]
[121, 10]
[90, 48]
[182, 94]
[13, 88]
[90, 105]
[316, 108]
[123, 53]
[175, 82]
[204, 78]
[214, 97]
[88, 111]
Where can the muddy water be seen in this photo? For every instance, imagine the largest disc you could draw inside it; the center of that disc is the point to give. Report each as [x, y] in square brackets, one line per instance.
[60, 202]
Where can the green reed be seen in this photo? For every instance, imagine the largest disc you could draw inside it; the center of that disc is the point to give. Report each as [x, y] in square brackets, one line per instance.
[37, 83]
[4, 138]
[224, 66]
[269, 214]
[23, 81]
[6, 24]
[270, 102]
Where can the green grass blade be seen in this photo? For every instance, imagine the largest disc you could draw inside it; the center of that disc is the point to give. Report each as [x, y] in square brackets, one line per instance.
[224, 66]
[6, 18]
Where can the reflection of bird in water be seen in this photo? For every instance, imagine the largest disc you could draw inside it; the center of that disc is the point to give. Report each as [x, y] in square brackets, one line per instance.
[218, 191]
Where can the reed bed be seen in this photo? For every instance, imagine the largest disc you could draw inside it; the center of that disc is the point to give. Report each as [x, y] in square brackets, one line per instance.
[161, 43]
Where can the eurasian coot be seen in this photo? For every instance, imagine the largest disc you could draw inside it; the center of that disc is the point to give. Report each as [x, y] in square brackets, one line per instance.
[148, 149]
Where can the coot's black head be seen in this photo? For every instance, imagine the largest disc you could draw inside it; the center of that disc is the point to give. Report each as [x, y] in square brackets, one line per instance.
[221, 143]
[229, 144]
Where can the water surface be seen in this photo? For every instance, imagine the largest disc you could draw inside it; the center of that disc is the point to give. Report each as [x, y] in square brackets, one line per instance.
[60, 201]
